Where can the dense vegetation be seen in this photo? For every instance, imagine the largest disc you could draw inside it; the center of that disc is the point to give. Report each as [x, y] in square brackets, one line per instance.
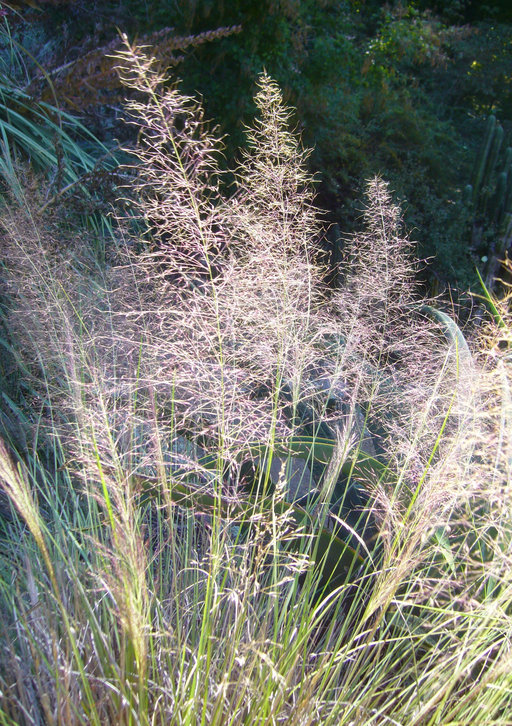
[402, 90]
[238, 487]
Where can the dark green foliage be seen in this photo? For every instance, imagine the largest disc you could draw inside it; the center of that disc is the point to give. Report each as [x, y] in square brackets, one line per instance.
[468, 11]
[398, 89]
[489, 199]
[387, 91]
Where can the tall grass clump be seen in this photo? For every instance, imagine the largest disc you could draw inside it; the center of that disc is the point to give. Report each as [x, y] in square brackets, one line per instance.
[237, 497]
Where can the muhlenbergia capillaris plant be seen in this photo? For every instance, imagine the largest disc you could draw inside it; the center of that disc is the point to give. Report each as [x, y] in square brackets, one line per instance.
[237, 496]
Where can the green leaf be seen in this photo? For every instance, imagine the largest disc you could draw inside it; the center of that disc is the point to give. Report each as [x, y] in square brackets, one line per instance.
[451, 330]
[444, 544]
[329, 550]
[311, 448]
[336, 558]
[498, 317]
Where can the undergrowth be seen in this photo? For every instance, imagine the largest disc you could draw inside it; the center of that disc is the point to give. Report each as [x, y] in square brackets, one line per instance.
[236, 497]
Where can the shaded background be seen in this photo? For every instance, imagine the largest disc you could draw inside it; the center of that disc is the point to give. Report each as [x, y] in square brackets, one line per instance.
[401, 89]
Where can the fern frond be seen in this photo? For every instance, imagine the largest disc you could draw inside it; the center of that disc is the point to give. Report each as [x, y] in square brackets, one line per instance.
[93, 78]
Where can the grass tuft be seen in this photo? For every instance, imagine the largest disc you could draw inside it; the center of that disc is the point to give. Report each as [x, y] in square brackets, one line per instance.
[238, 497]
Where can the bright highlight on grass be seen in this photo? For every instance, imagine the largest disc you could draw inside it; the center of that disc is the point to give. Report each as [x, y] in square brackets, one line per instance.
[230, 494]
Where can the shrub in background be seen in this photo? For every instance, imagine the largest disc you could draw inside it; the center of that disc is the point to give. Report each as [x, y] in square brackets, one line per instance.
[392, 90]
